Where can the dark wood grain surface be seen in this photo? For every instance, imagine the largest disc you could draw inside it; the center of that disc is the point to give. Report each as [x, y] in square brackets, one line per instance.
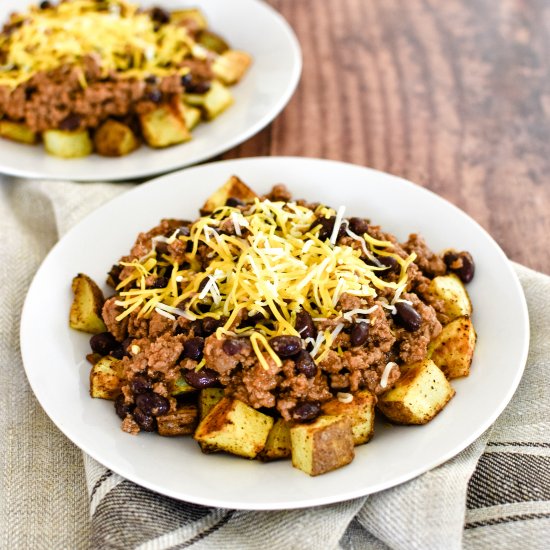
[453, 95]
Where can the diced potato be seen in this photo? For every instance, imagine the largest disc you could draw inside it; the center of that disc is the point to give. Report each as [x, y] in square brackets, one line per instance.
[85, 314]
[165, 125]
[234, 427]
[212, 41]
[193, 14]
[451, 291]
[17, 132]
[452, 351]
[207, 399]
[114, 139]
[191, 115]
[232, 188]
[181, 422]
[67, 144]
[420, 393]
[278, 442]
[360, 411]
[231, 66]
[323, 445]
[213, 102]
[105, 378]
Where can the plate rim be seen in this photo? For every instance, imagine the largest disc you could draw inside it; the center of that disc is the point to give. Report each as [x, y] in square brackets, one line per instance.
[254, 129]
[313, 501]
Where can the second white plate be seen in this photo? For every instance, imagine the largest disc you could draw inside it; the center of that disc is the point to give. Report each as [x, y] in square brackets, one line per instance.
[249, 25]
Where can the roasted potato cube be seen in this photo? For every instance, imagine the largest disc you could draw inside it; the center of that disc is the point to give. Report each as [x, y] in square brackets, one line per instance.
[212, 41]
[165, 125]
[105, 378]
[67, 144]
[232, 188]
[213, 102]
[231, 66]
[114, 139]
[85, 314]
[323, 445]
[420, 393]
[451, 290]
[17, 132]
[207, 399]
[193, 15]
[181, 422]
[278, 442]
[234, 427]
[452, 351]
[191, 115]
[360, 411]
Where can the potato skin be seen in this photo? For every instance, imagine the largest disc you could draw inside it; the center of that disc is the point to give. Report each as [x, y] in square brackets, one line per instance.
[85, 313]
[233, 187]
[114, 139]
[67, 144]
[165, 125]
[15, 131]
[105, 379]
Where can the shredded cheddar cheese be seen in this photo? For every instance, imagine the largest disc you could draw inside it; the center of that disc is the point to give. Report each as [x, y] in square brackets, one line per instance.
[115, 33]
[277, 266]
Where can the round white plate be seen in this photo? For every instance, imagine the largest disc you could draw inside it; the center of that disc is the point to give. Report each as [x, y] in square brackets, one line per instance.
[249, 25]
[53, 353]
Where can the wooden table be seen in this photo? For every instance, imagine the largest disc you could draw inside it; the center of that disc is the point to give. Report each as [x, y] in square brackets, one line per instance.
[453, 95]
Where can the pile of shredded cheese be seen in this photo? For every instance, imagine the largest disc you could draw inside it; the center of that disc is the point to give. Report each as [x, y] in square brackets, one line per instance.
[274, 265]
[114, 32]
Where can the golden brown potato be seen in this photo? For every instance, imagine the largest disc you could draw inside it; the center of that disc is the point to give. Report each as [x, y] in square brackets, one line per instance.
[232, 188]
[193, 15]
[17, 132]
[114, 139]
[451, 290]
[323, 445]
[231, 66]
[105, 378]
[360, 411]
[191, 115]
[213, 102]
[85, 314]
[234, 427]
[452, 351]
[420, 393]
[165, 125]
[212, 41]
[278, 442]
[207, 399]
[67, 144]
[181, 422]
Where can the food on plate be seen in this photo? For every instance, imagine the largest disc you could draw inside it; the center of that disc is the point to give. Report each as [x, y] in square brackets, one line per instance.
[105, 75]
[277, 328]
[87, 305]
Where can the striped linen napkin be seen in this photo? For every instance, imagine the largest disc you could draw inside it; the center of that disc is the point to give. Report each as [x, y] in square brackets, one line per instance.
[496, 492]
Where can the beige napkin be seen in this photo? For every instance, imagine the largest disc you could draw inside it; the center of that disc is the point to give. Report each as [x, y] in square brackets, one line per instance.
[51, 496]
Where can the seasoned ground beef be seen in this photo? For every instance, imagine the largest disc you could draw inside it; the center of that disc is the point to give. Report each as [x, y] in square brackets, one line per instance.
[167, 350]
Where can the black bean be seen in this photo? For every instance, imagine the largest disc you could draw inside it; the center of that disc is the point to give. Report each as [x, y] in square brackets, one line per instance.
[359, 226]
[192, 348]
[304, 412]
[70, 122]
[30, 91]
[121, 407]
[198, 87]
[204, 378]
[286, 346]
[304, 325]
[359, 334]
[159, 15]
[305, 364]
[113, 277]
[155, 96]
[160, 282]
[407, 317]
[183, 231]
[233, 201]
[122, 349]
[186, 80]
[210, 325]
[139, 384]
[145, 421]
[152, 403]
[232, 346]
[45, 5]
[103, 343]
[462, 264]
[391, 263]
[151, 79]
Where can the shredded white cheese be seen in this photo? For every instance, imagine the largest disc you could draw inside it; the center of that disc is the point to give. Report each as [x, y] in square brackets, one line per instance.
[385, 375]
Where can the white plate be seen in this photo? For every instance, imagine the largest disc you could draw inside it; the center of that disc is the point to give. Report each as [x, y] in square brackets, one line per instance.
[249, 25]
[53, 353]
